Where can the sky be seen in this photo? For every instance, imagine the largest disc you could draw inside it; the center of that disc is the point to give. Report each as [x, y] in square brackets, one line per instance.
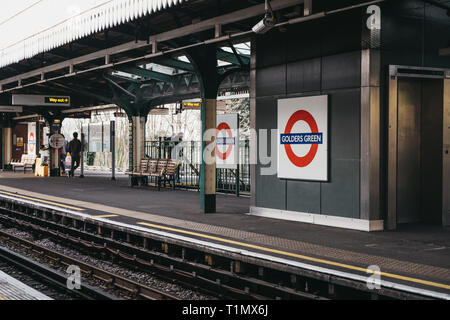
[23, 18]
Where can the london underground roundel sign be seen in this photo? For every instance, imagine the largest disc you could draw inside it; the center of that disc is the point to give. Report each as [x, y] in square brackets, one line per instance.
[31, 142]
[303, 138]
[227, 143]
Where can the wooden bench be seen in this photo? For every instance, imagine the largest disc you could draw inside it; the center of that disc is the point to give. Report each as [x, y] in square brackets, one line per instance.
[136, 173]
[160, 169]
[171, 172]
[159, 172]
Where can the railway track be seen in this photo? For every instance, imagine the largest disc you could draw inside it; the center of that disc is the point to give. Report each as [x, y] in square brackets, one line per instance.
[58, 279]
[52, 278]
[211, 281]
[208, 270]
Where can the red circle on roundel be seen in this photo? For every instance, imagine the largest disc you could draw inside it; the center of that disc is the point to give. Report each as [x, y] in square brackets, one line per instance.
[226, 154]
[301, 115]
[31, 145]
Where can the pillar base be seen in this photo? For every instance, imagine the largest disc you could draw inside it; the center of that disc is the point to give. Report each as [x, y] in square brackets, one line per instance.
[209, 204]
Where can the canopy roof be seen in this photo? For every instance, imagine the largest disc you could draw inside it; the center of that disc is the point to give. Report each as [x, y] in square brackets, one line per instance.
[39, 26]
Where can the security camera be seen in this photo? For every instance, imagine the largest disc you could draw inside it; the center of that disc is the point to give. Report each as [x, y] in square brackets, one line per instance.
[264, 25]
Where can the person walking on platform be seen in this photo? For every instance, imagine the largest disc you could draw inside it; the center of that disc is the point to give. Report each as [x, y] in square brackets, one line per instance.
[75, 151]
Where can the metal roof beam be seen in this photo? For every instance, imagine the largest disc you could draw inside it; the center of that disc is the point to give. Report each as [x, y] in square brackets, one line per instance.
[231, 58]
[127, 79]
[208, 24]
[148, 74]
[165, 36]
[119, 87]
[176, 64]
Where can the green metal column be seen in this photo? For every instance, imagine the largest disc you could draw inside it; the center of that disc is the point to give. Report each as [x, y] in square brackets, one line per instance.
[7, 145]
[54, 163]
[130, 149]
[208, 170]
[205, 61]
[2, 150]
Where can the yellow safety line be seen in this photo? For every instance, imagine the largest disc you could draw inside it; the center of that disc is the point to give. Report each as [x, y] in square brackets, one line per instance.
[104, 216]
[290, 254]
[43, 201]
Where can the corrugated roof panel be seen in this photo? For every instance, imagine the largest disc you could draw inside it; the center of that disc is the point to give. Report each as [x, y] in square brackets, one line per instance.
[101, 15]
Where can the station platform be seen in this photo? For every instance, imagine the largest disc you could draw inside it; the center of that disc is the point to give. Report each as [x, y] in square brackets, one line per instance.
[414, 256]
[13, 289]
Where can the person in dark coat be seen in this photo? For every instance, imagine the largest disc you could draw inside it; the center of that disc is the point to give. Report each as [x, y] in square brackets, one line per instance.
[75, 151]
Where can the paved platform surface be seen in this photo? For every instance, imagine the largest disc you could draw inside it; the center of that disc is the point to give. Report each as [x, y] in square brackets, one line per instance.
[12, 289]
[415, 255]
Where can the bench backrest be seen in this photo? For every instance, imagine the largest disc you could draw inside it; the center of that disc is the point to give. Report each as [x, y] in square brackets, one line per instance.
[152, 165]
[162, 164]
[28, 158]
[25, 159]
[143, 165]
[172, 166]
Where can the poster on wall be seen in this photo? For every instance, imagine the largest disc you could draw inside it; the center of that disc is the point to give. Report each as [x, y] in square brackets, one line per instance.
[19, 142]
[303, 138]
[32, 138]
[227, 142]
[95, 137]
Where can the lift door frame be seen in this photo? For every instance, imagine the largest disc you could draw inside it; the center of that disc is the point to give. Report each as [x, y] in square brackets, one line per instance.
[396, 71]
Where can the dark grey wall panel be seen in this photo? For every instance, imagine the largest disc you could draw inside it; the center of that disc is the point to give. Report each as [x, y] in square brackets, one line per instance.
[340, 197]
[303, 196]
[344, 128]
[276, 55]
[304, 41]
[341, 71]
[413, 32]
[271, 81]
[303, 76]
[270, 191]
[341, 32]
[266, 113]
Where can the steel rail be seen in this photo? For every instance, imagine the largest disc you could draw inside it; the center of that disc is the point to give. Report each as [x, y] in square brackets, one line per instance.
[54, 278]
[197, 266]
[177, 268]
[137, 289]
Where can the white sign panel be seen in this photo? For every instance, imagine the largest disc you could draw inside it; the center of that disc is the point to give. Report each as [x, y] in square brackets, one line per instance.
[303, 138]
[227, 142]
[32, 138]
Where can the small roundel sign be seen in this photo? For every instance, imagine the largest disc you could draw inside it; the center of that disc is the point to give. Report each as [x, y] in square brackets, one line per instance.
[303, 138]
[227, 141]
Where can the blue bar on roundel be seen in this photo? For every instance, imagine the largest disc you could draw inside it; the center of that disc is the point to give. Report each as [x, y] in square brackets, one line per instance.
[301, 138]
